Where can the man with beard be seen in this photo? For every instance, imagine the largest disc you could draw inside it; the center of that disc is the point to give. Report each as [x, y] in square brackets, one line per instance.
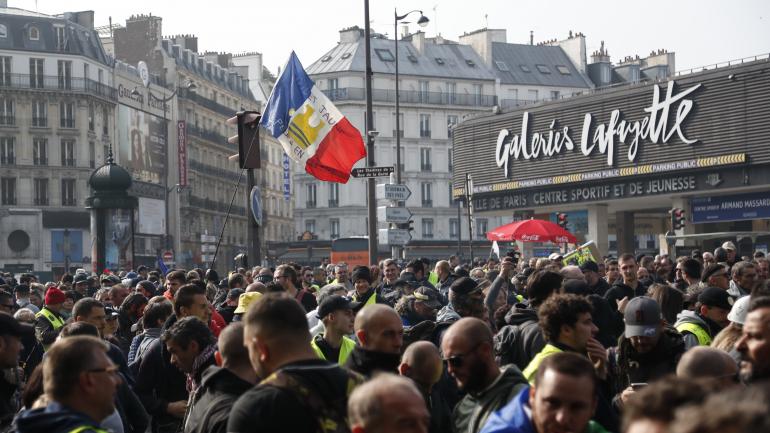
[754, 344]
[699, 327]
[648, 350]
[744, 279]
[445, 277]
[380, 333]
[468, 351]
[596, 284]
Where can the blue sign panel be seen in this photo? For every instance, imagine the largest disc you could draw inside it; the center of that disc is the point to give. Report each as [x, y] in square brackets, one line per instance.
[286, 178]
[755, 205]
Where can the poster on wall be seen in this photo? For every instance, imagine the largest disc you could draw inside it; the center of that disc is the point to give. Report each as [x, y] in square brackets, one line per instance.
[142, 144]
[151, 216]
[66, 243]
[118, 243]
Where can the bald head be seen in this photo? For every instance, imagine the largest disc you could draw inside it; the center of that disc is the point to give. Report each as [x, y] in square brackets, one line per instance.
[470, 329]
[378, 328]
[703, 362]
[231, 346]
[387, 403]
[256, 287]
[421, 362]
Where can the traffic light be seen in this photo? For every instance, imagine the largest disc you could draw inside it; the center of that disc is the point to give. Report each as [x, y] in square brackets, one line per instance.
[410, 225]
[677, 218]
[561, 219]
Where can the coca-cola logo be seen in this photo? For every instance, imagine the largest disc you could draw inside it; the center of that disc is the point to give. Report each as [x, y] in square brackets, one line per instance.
[532, 238]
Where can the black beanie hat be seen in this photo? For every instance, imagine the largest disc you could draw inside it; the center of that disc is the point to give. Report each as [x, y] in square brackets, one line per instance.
[361, 273]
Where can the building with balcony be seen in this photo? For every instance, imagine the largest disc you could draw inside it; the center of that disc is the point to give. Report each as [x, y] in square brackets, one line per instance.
[57, 109]
[201, 177]
[441, 82]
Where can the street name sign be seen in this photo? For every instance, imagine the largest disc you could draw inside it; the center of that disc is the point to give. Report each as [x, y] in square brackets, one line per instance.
[396, 192]
[371, 171]
[396, 215]
[394, 236]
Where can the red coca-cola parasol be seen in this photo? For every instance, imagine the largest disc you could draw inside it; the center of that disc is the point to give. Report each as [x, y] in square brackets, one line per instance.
[531, 230]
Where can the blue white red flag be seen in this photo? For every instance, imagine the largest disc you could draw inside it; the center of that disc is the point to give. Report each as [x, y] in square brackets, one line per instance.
[310, 128]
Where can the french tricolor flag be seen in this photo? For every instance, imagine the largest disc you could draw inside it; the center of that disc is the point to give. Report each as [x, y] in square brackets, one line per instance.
[310, 128]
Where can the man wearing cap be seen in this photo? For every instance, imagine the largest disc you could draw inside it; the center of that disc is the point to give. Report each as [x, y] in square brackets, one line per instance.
[365, 293]
[421, 305]
[744, 279]
[699, 327]
[11, 333]
[732, 252]
[596, 284]
[81, 285]
[648, 350]
[244, 300]
[336, 313]
[49, 320]
[227, 310]
[716, 275]
[466, 299]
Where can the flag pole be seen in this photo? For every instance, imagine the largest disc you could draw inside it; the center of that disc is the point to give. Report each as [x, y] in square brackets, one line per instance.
[370, 186]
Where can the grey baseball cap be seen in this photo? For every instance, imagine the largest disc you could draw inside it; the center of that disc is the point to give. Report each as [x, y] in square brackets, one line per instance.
[642, 317]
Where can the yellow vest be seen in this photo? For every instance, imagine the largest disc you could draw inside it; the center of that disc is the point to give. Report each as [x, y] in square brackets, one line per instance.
[531, 370]
[704, 339]
[433, 278]
[55, 321]
[345, 350]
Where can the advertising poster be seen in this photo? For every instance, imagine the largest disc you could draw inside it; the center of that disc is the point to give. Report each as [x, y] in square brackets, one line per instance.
[118, 244]
[66, 243]
[142, 144]
[151, 216]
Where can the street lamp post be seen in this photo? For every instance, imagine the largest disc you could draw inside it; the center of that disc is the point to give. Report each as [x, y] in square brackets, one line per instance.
[422, 21]
[370, 190]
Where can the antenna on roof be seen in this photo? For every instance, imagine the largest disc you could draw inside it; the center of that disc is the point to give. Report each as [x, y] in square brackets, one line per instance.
[486, 21]
[435, 20]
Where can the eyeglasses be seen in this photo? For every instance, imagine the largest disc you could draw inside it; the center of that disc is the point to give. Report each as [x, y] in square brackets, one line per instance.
[456, 361]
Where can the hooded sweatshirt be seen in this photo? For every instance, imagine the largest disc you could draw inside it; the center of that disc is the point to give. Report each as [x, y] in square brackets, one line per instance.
[519, 341]
[54, 418]
[472, 411]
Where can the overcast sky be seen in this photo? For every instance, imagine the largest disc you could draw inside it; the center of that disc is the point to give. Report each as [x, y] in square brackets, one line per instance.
[701, 32]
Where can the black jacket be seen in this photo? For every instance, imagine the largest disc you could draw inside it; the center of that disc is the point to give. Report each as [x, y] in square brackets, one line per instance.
[633, 367]
[159, 383]
[124, 334]
[211, 404]
[135, 418]
[519, 341]
[367, 362]
[227, 312]
[601, 287]
[9, 380]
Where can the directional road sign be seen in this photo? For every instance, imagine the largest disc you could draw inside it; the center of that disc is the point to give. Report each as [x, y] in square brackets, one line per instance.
[372, 171]
[393, 214]
[394, 236]
[393, 192]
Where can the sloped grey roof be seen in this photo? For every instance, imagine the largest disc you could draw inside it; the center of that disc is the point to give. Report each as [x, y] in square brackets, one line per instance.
[80, 40]
[530, 56]
[410, 61]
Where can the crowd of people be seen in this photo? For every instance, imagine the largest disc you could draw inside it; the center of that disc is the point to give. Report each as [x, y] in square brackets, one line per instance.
[528, 345]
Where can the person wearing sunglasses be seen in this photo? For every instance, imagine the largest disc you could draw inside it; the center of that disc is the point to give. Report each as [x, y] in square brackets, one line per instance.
[80, 386]
[470, 359]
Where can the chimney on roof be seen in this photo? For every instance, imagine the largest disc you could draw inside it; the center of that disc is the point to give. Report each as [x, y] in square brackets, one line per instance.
[481, 41]
[418, 40]
[575, 48]
[404, 31]
[351, 34]
[531, 37]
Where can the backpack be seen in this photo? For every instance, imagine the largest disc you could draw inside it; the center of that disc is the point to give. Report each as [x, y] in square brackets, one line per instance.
[331, 416]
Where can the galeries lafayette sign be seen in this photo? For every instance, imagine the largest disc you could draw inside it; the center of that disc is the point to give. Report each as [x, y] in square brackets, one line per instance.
[655, 128]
